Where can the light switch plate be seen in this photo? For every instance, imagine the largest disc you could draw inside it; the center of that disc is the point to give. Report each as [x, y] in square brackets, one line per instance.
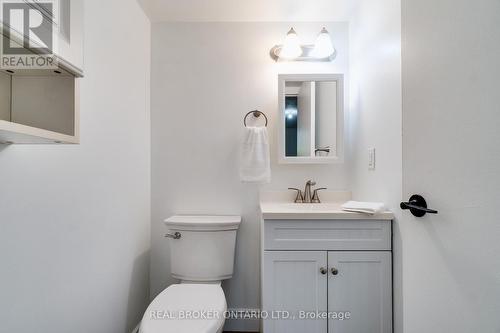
[371, 159]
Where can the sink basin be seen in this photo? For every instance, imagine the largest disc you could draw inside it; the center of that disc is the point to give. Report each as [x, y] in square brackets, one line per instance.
[317, 207]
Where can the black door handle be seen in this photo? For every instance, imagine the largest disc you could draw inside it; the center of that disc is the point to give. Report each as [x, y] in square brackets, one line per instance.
[417, 206]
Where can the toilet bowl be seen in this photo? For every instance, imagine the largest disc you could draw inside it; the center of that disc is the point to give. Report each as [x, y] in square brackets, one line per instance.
[201, 256]
[186, 308]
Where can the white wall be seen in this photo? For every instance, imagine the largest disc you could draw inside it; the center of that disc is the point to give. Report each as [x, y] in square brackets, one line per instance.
[375, 39]
[75, 220]
[205, 78]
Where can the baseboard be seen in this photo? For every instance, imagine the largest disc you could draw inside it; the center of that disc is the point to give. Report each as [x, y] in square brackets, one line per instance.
[239, 321]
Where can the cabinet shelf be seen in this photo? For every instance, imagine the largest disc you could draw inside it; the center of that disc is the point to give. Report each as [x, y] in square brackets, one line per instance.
[21, 134]
[39, 107]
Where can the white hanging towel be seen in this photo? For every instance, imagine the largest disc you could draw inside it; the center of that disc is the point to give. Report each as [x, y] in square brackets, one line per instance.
[255, 161]
[364, 207]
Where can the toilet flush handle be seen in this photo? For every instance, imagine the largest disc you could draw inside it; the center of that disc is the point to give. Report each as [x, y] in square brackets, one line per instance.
[176, 235]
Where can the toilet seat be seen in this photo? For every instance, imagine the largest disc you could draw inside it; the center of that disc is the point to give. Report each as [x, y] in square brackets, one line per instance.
[186, 308]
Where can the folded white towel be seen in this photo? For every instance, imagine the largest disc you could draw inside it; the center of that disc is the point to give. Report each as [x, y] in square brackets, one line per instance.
[255, 162]
[364, 207]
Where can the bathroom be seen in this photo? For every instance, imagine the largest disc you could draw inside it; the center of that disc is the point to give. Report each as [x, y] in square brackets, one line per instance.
[162, 89]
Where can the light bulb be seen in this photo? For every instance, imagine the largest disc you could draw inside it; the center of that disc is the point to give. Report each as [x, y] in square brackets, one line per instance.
[291, 113]
[323, 47]
[291, 47]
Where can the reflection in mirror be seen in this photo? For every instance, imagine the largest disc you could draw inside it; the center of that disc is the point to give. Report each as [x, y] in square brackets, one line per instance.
[326, 118]
[312, 111]
[291, 112]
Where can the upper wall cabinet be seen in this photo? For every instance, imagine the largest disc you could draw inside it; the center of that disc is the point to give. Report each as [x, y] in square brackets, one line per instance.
[49, 26]
[311, 118]
[40, 68]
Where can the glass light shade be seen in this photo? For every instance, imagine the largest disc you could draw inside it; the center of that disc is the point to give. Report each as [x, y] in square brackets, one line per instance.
[291, 47]
[323, 47]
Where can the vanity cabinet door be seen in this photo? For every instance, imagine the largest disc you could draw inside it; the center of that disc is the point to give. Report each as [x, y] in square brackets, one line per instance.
[360, 283]
[294, 282]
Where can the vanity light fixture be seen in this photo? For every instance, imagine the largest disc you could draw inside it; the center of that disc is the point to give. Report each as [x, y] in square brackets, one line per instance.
[292, 50]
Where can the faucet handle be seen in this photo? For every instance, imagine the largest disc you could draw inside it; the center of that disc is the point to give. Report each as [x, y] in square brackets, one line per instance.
[300, 197]
[315, 198]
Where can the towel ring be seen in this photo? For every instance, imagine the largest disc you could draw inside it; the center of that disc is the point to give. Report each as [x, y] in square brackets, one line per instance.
[256, 114]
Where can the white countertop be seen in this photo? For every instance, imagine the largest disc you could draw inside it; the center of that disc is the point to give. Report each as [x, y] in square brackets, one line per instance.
[279, 205]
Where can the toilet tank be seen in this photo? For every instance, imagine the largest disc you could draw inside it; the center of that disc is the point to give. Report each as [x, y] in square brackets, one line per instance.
[205, 250]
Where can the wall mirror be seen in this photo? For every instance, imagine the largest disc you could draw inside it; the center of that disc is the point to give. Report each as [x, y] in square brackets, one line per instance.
[311, 118]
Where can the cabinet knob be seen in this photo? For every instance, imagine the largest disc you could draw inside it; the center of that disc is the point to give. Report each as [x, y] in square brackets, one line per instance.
[335, 271]
[323, 270]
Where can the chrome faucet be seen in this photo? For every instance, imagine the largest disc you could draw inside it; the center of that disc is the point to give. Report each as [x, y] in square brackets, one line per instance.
[308, 196]
[307, 191]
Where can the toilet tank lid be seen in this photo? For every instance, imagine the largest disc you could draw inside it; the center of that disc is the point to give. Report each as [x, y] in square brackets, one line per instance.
[203, 222]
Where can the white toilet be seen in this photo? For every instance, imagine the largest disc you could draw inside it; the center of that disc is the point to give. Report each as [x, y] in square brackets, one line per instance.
[201, 256]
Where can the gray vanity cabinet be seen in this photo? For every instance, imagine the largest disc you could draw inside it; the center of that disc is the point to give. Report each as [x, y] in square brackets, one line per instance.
[327, 276]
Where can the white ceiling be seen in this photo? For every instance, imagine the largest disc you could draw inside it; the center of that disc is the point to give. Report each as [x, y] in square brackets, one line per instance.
[249, 10]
